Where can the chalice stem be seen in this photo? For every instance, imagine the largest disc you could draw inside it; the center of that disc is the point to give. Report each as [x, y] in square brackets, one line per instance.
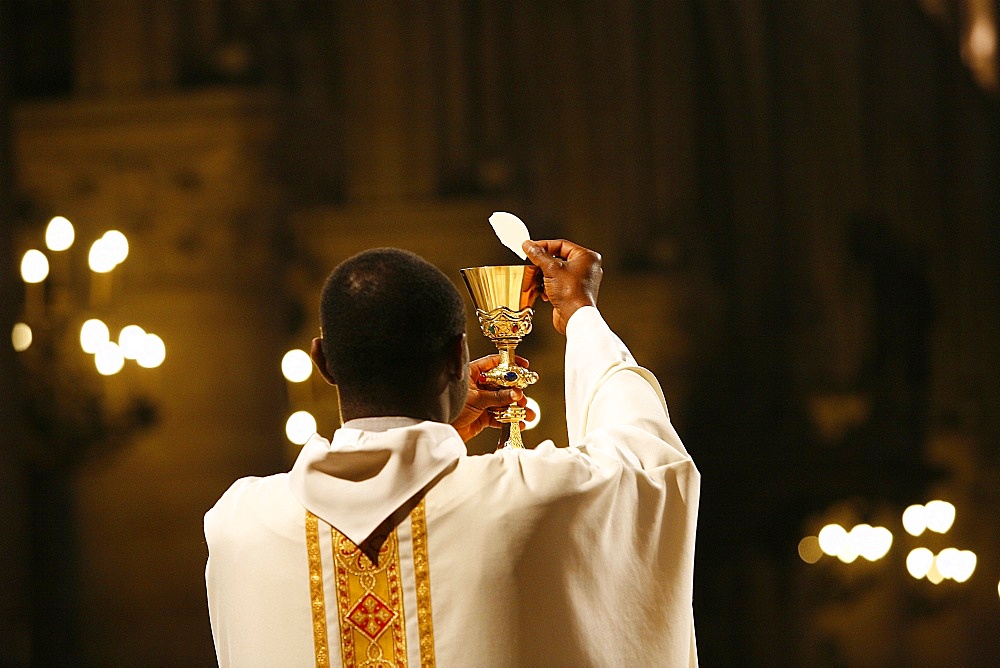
[510, 436]
[510, 418]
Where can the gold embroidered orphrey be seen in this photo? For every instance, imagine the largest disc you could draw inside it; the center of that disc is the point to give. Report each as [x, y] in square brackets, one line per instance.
[369, 598]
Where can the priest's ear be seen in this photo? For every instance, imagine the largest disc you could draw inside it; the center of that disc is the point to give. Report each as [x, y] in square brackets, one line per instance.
[319, 359]
[457, 351]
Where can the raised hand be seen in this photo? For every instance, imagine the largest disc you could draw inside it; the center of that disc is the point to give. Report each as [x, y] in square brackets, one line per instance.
[572, 276]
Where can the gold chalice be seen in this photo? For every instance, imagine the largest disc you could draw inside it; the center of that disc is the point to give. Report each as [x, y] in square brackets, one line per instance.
[503, 297]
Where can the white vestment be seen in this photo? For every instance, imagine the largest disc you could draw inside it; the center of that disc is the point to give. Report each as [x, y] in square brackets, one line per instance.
[578, 556]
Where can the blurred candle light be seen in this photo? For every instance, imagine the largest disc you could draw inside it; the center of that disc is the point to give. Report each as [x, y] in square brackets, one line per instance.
[131, 340]
[109, 358]
[809, 549]
[918, 562]
[947, 560]
[34, 266]
[934, 573]
[915, 519]
[296, 366]
[102, 257]
[21, 337]
[533, 405]
[117, 245]
[300, 427]
[964, 565]
[872, 543]
[832, 539]
[152, 353]
[59, 235]
[940, 515]
[93, 334]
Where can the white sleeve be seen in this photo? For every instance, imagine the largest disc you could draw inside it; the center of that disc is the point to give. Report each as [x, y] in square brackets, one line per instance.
[612, 403]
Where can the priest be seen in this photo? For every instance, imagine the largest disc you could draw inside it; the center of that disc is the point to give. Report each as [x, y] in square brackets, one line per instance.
[390, 545]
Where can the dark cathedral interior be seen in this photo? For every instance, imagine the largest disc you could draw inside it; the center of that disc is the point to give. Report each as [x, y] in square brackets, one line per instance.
[798, 206]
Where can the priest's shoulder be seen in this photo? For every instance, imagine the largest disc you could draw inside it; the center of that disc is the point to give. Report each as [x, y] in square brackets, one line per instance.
[253, 495]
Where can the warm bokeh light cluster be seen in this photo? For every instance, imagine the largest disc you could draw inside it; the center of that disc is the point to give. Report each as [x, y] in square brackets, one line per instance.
[948, 564]
[296, 367]
[863, 540]
[108, 252]
[134, 343]
[936, 516]
[873, 543]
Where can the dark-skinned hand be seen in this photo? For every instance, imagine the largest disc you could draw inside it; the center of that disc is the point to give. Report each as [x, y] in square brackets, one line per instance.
[572, 276]
[475, 416]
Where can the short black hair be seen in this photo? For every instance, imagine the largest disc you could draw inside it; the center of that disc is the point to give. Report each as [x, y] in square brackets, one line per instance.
[385, 311]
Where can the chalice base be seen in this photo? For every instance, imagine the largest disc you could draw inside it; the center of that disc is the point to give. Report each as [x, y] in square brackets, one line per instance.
[510, 418]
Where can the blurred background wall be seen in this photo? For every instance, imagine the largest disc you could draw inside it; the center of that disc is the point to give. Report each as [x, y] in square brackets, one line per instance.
[796, 202]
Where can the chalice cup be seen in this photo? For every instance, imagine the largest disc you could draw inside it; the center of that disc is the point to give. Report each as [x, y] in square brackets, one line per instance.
[503, 297]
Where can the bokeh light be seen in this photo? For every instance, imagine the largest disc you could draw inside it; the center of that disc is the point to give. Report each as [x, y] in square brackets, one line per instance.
[870, 542]
[93, 334]
[152, 352]
[117, 245]
[832, 539]
[102, 257]
[34, 266]
[934, 573]
[915, 519]
[59, 234]
[296, 366]
[809, 549]
[21, 337]
[533, 405]
[919, 561]
[300, 427]
[940, 515]
[109, 358]
[131, 340]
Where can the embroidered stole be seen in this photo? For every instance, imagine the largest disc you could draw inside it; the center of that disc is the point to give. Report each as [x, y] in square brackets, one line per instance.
[369, 595]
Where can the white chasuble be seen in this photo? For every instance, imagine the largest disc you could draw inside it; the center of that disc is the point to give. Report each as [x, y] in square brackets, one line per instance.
[390, 546]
